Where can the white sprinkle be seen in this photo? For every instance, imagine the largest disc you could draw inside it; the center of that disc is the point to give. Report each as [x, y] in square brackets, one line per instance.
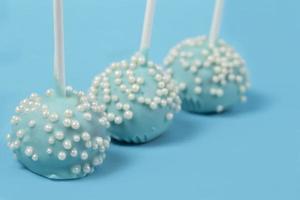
[84, 155]
[62, 155]
[53, 117]
[76, 138]
[118, 120]
[97, 161]
[51, 140]
[126, 106]
[170, 116]
[59, 135]
[67, 122]
[28, 151]
[31, 123]
[49, 150]
[153, 105]
[75, 124]
[220, 108]
[198, 90]
[8, 137]
[111, 117]
[67, 144]
[17, 144]
[35, 157]
[76, 169]
[20, 133]
[50, 92]
[128, 115]
[74, 152]
[87, 168]
[85, 136]
[48, 128]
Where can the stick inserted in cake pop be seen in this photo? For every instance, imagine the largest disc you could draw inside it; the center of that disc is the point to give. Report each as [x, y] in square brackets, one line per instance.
[148, 24]
[212, 76]
[57, 134]
[59, 61]
[140, 99]
[216, 23]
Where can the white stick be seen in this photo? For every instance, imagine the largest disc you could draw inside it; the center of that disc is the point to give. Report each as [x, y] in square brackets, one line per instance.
[216, 23]
[148, 23]
[59, 60]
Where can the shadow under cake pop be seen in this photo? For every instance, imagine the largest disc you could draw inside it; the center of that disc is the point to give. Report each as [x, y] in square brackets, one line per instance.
[211, 75]
[184, 130]
[118, 161]
[258, 102]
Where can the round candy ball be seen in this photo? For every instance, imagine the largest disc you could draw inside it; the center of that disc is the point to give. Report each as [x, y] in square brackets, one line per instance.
[56, 136]
[212, 78]
[139, 99]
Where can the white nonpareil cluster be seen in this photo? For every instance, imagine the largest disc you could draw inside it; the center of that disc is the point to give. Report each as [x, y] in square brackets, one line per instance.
[121, 78]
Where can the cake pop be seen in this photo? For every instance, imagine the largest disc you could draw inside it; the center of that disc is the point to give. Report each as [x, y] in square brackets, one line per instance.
[138, 98]
[56, 135]
[211, 75]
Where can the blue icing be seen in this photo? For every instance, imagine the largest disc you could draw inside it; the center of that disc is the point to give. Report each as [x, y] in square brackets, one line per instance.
[58, 137]
[139, 99]
[211, 78]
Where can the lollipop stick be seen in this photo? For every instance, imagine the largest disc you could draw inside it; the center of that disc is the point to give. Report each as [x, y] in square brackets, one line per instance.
[59, 63]
[148, 23]
[216, 23]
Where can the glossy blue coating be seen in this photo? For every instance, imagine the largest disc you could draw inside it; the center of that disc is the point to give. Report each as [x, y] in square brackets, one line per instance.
[37, 145]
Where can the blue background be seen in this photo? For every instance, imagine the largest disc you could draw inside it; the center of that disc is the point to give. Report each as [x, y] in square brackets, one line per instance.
[251, 152]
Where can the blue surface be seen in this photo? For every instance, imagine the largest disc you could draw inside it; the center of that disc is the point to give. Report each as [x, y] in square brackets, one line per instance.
[251, 152]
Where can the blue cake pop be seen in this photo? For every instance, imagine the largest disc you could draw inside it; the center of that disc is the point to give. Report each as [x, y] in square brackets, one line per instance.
[138, 98]
[211, 75]
[57, 135]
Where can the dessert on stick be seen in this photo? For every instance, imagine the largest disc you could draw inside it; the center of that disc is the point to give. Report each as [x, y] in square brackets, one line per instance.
[211, 75]
[138, 98]
[56, 135]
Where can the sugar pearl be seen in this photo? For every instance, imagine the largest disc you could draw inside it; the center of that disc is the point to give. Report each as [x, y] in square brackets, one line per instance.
[59, 135]
[75, 124]
[169, 116]
[67, 144]
[20, 133]
[31, 123]
[74, 152]
[28, 151]
[86, 168]
[76, 138]
[76, 169]
[67, 122]
[53, 117]
[51, 140]
[84, 155]
[220, 108]
[118, 120]
[62, 155]
[85, 136]
[128, 115]
[68, 113]
[48, 128]
[49, 151]
[35, 157]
